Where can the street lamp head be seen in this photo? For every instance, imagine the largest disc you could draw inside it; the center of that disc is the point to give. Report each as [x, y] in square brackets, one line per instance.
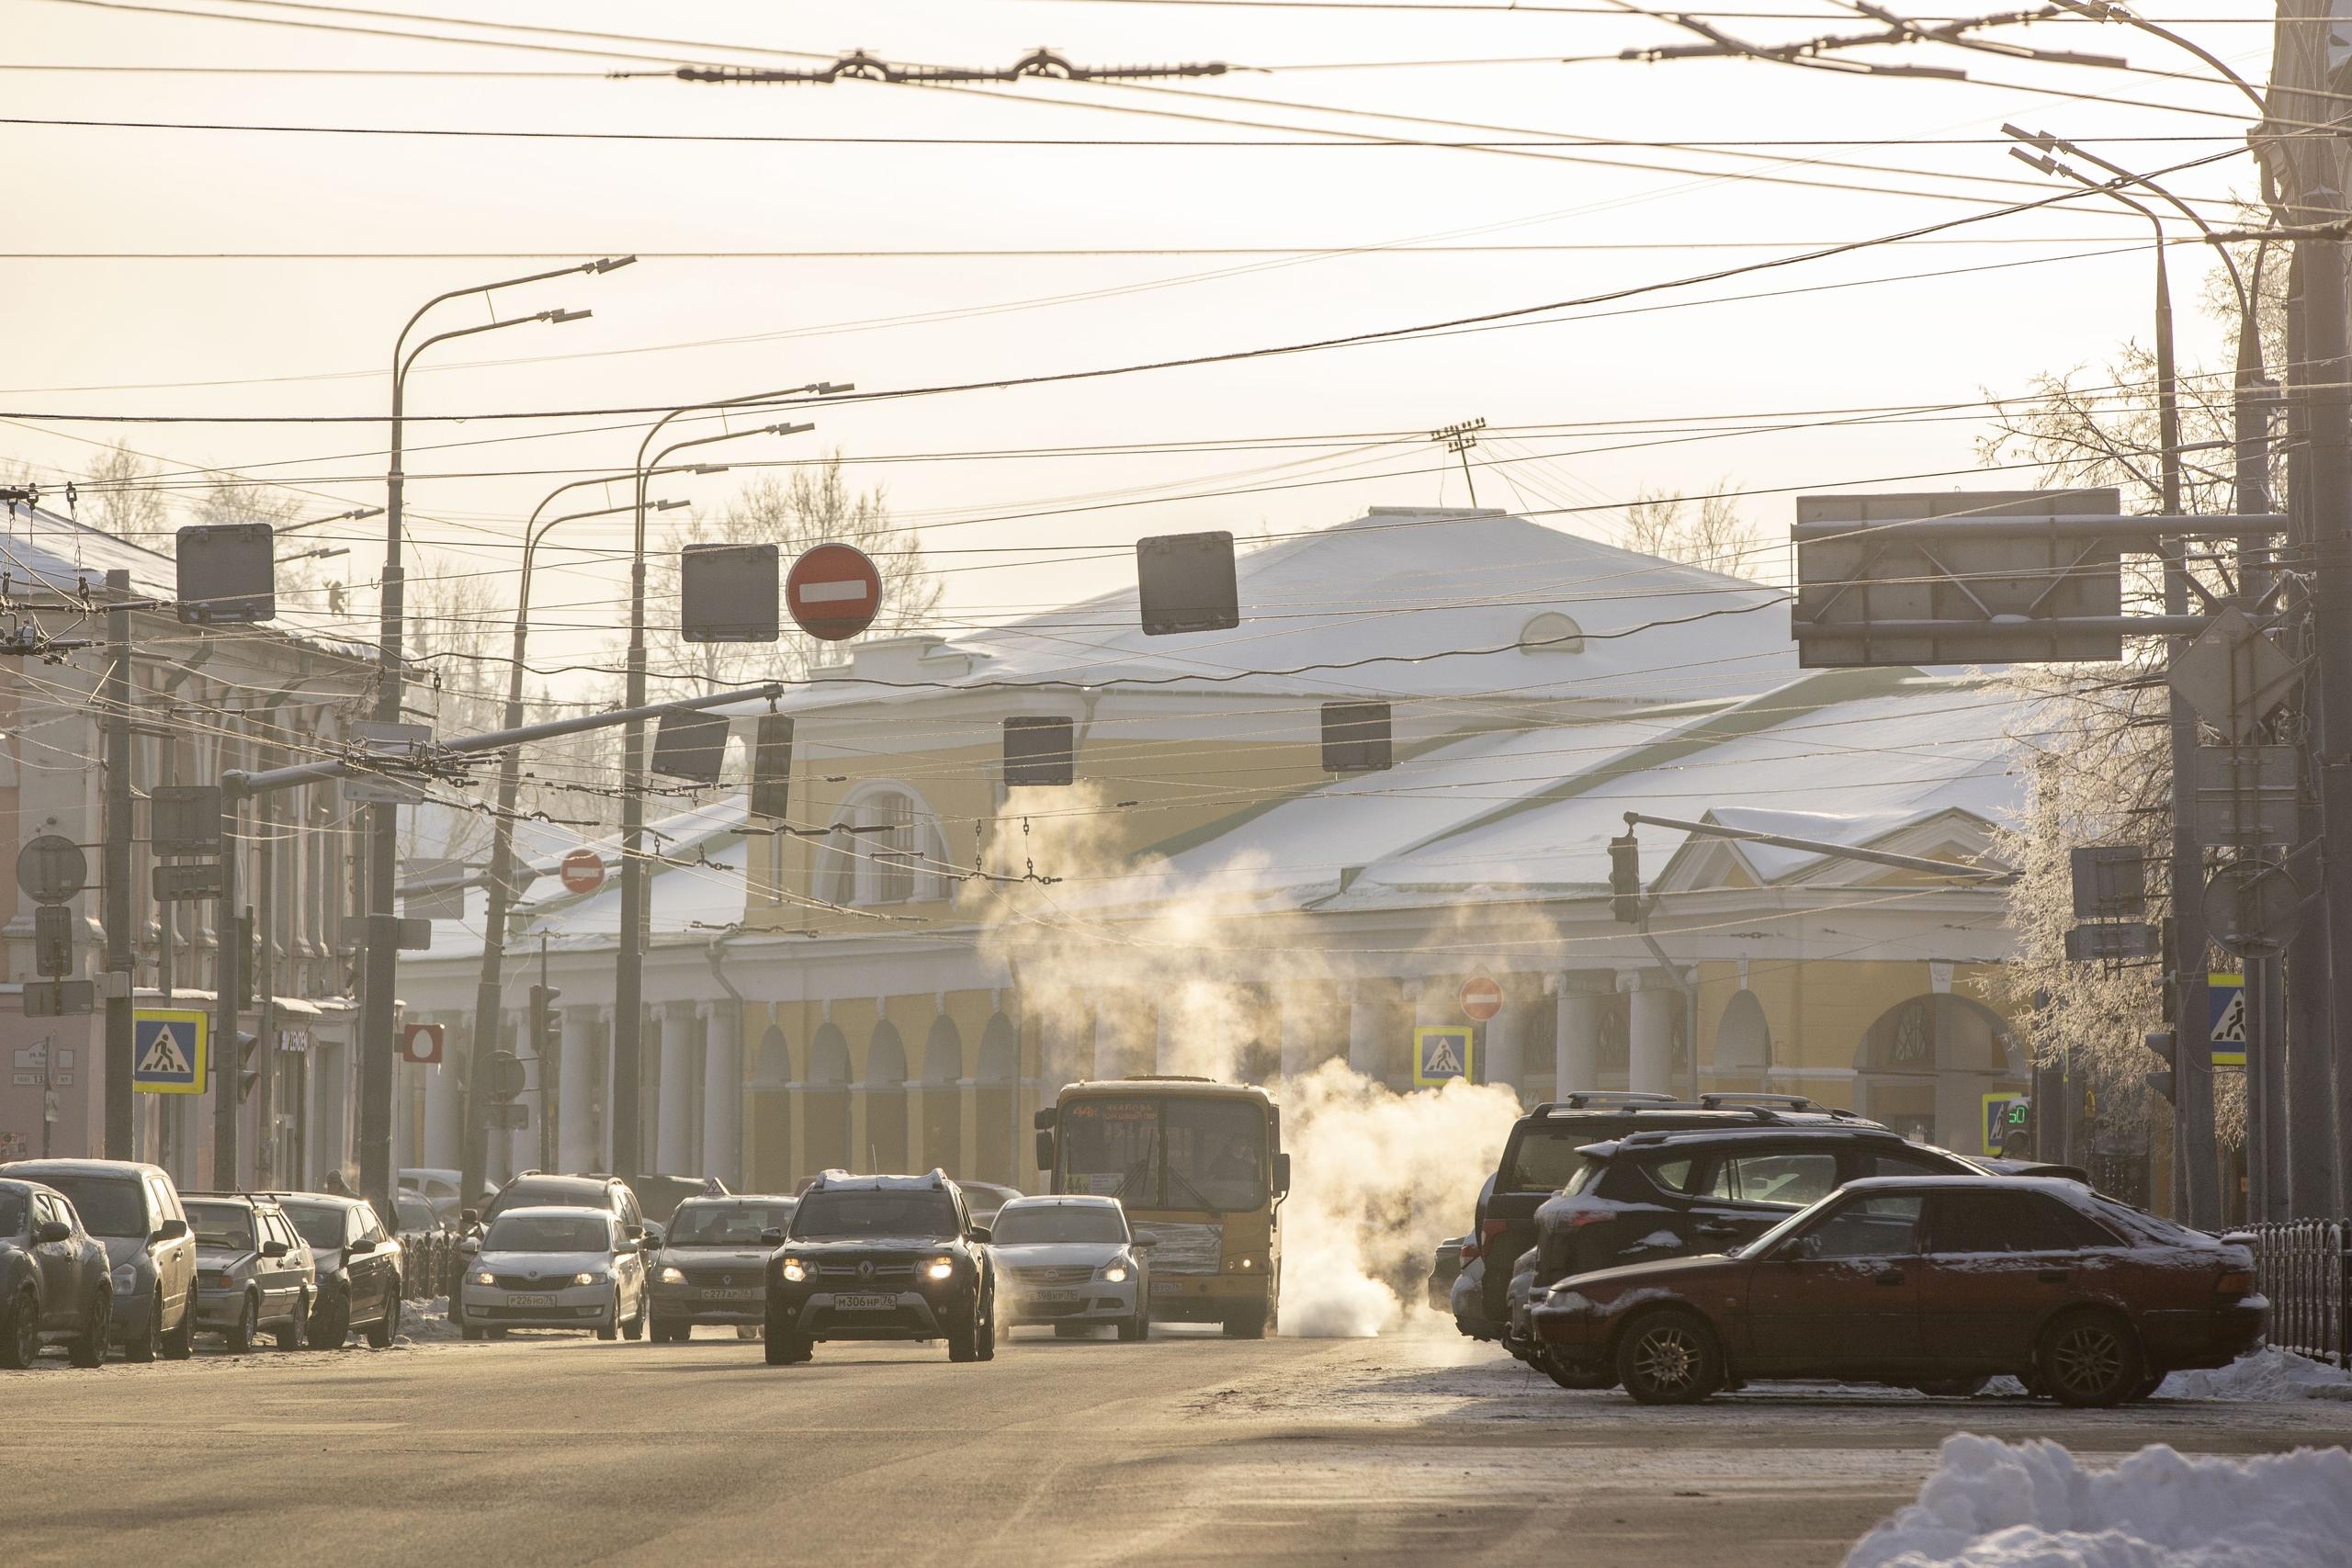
[558, 318]
[785, 429]
[363, 514]
[708, 469]
[827, 389]
[607, 264]
[668, 505]
[2041, 139]
[2034, 161]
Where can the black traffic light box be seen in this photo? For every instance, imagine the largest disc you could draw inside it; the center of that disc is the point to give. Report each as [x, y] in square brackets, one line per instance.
[248, 1069]
[1625, 879]
[2167, 1044]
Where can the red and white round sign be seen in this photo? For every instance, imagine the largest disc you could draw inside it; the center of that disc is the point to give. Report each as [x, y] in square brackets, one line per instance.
[834, 593]
[420, 1044]
[582, 872]
[1481, 999]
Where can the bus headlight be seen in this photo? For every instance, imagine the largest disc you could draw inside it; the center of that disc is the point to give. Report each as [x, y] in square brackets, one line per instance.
[1244, 1264]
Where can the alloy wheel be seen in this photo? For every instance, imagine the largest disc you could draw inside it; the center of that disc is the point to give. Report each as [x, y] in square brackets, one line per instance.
[1668, 1357]
[2087, 1358]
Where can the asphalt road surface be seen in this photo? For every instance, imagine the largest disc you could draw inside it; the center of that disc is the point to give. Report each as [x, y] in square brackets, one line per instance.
[1189, 1449]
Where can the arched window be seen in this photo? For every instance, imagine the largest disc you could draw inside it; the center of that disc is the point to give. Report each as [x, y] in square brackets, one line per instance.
[1551, 632]
[884, 848]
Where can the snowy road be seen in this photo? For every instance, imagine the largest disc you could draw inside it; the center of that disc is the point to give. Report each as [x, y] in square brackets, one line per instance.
[1188, 1448]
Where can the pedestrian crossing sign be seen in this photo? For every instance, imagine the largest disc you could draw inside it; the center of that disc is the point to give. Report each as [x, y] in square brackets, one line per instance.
[1440, 1053]
[168, 1047]
[2225, 1003]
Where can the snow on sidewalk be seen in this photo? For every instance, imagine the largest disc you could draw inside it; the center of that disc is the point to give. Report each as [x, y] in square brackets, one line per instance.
[2266, 1373]
[1988, 1503]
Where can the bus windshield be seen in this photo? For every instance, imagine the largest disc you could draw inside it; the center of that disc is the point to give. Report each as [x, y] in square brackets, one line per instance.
[1166, 1152]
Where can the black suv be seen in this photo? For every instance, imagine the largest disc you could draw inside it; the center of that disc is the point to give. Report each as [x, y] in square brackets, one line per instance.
[1541, 1157]
[881, 1257]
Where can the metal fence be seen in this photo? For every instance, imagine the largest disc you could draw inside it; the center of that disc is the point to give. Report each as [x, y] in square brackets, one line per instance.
[431, 1262]
[2305, 1268]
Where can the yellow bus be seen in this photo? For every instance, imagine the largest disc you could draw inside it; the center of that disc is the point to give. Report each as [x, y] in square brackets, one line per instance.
[1199, 1167]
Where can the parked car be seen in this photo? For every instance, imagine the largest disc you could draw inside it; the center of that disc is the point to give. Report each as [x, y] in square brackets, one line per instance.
[53, 1279]
[358, 1265]
[1541, 1155]
[661, 1195]
[556, 1268]
[135, 1211]
[882, 1258]
[439, 1185]
[1913, 1281]
[253, 1271]
[713, 1264]
[1445, 1267]
[1468, 1301]
[1073, 1262]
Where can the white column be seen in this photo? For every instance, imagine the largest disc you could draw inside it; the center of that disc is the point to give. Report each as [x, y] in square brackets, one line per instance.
[722, 1094]
[577, 1092]
[1367, 1050]
[1651, 1061]
[674, 1136]
[1576, 1033]
[443, 1116]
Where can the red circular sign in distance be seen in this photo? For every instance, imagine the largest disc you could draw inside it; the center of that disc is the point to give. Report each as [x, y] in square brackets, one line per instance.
[834, 593]
[582, 872]
[1481, 999]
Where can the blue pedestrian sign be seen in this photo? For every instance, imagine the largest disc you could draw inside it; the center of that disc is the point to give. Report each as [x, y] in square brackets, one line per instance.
[1440, 1053]
[2225, 1000]
[168, 1047]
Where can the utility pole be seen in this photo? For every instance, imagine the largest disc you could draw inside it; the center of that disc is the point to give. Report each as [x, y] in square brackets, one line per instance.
[228, 978]
[113, 872]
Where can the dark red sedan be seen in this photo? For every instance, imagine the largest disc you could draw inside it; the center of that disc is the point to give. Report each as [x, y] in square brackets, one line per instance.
[1921, 1282]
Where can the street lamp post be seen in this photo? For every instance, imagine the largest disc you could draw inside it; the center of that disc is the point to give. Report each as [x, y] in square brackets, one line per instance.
[628, 988]
[382, 941]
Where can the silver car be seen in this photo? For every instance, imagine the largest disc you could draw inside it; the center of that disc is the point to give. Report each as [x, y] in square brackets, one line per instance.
[713, 1264]
[555, 1268]
[253, 1271]
[1073, 1262]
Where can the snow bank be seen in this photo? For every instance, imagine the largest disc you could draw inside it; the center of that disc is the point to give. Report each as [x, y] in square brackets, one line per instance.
[426, 1322]
[2266, 1373]
[1995, 1505]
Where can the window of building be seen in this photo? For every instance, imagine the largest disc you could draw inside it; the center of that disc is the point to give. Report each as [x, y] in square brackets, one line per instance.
[883, 849]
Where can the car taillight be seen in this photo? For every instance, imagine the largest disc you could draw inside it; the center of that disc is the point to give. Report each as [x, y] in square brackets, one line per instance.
[1469, 1251]
[1581, 1217]
[1490, 1230]
[2234, 1282]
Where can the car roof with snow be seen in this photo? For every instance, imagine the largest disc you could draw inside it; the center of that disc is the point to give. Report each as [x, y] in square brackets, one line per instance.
[842, 1181]
[558, 1210]
[1970, 1183]
[1064, 1201]
[1777, 1130]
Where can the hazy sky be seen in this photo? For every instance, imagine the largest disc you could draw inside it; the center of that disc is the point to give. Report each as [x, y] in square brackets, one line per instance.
[1337, 429]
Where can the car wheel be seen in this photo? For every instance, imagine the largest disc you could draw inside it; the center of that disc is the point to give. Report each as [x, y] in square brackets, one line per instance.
[89, 1347]
[385, 1329]
[611, 1328]
[330, 1323]
[782, 1347]
[963, 1339]
[469, 1332]
[148, 1343]
[180, 1343]
[1952, 1388]
[297, 1328]
[1248, 1323]
[2149, 1383]
[1581, 1381]
[239, 1336]
[1138, 1326]
[988, 1331]
[2088, 1359]
[634, 1328]
[1670, 1358]
[21, 1335]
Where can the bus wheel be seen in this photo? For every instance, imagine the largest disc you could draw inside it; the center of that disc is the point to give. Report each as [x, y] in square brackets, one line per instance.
[1247, 1324]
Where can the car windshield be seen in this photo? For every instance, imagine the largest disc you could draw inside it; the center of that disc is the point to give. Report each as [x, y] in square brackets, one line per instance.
[223, 1224]
[109, 1205]
[549, 1233]
[1763, 1244]
[1166, 1151]
[320, 1224]
[824, 1216]
[415, 1212]
[728, 1222]
[548, 1194]
[13, 1211]
[1022, 1225]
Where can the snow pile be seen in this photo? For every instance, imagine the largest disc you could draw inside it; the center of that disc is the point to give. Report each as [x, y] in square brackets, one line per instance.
[426, 1322]
[1993, 1505]
[2266, 1373]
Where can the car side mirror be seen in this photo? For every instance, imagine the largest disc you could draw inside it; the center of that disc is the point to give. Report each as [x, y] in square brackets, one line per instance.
[771, 1237]
[52, 1231]
[470, 1217]
[1282, 1175]
[274, 1249]
[1802, 1249]
[468, 1245]
[627, 1245]
[362, 1244]
[1045, 1151]
[651, 1239]
[170, 1230]
[1141, 1242]
[982, 1232]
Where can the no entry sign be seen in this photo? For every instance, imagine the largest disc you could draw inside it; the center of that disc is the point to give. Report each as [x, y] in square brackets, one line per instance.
[834, 593]
[1481, 999]
[582, 872]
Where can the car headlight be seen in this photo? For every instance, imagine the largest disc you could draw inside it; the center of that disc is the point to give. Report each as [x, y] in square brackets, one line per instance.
[673, 1276]
[1116, 1272]
[941, 1269]
[123, 1276]
[485, 1276]
[586, 1278]
[794, 1270]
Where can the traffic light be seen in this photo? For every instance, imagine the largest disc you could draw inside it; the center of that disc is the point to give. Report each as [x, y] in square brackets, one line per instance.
[2017, 1130]
[1625, 879]
[248, 1070]
[2167, 1044]
[547, 1025]
[250, 961]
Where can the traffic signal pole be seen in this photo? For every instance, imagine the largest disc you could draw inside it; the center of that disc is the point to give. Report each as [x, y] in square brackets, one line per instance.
[113, 872]
[229, 959]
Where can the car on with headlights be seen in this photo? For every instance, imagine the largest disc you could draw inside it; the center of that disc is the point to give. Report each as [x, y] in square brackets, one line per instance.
[253, 1271]
[1071, 1261]
[882, 1258]
[1921, 1282]
[134, 1211]
[713, 1264]
[358, 1266]
[54, 1279]
[556, 1268]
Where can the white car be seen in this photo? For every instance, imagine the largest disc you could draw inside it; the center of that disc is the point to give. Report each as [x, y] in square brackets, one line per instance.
[1073, 1262]
[555, 1268]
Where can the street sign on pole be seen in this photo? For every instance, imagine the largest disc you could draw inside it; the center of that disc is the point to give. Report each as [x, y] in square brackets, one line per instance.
[834, 593]
[505, 1074]
[508, 1115]
[2246, 794]
[183, 820]
[1040, 750]
[1356, 738]
[728, 593]
[582, 872]
[772, 765]
[1440, 1053]
[1185, 582]
[2120, 939]
[2253, 908]
[53, 932]
[2225, 1001]
[227, 573]
[691, 746]
[186, 883]
[2109, 881]
[2234, 674]
[59, 998]
[169, 1046]
[443, 894]
[1481, 999]
[421, 1045]
[52, 869]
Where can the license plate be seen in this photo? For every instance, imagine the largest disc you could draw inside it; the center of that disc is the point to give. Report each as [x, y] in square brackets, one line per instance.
[1052, 1296]
[716, 1294]
[1166, 1287]
[530, 1300]
[865, 1303]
